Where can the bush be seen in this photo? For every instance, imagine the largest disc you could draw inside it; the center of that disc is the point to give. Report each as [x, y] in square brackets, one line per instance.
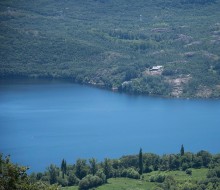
[102, 176]
[149, 169]
[158, 178]
[130, 173]
[73, 180]
[62, 182]
[189, 172]
[89, 182]
[185, 166]
[189, 186]
[214, 173]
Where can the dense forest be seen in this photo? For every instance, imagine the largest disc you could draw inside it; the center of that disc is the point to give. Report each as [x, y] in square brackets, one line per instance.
[165, 48]
[198, 171]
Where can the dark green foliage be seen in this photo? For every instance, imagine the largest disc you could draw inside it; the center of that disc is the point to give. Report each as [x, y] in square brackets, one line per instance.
[72, 179]
[129, 161]
[89, 181]
[189, 172]
[130, 173]
[140, 162]
[93, 166]
[187, 158]
[214, 173]
[81, 168]
[53, 173]
[102, 176]
[185, 166]
[63, 168]
[14, 177]
[174, 162]
[215, 161]
[197, 162]
[151, 162]
[169, 183]
[182, 150]
[62, 181]
[107, 168]
[158, 178]
[205, 156]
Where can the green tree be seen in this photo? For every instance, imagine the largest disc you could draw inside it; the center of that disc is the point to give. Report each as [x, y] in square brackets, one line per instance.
[72, 179]
[197, 162]
[174, 162]
[102, 176]
[63, 167]
[107, 168]
[53, 173]
[140, 163]
[14, 177]
[182, 150]
[81, 168]
[93, 166]
[169, 183]
[206, 157]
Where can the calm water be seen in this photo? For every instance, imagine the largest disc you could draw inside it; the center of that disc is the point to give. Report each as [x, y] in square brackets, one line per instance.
[43, 122]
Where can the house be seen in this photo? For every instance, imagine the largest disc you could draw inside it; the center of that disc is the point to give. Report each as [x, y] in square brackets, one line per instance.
[156, 68]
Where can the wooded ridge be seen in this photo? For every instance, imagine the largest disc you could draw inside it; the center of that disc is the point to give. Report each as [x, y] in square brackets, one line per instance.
[165, 48]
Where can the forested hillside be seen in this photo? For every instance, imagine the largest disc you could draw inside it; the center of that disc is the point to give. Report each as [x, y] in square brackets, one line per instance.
[168, 48]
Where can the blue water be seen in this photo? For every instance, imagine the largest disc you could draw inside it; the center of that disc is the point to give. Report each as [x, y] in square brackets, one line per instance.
[42, 122]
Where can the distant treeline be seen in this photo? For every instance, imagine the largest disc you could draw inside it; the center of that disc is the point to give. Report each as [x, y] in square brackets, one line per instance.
[91, 173]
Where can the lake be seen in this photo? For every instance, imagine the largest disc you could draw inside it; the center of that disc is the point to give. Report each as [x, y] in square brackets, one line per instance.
[42, 122]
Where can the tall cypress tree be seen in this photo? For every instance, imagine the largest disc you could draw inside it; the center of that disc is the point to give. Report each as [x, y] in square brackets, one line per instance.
[140, 163]
[182, 151]
[63, 167]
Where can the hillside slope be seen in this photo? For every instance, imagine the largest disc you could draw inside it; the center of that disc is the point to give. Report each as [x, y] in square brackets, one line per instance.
[115, 44]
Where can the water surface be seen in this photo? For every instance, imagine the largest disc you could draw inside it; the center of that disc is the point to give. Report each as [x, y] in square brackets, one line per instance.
[42, 122]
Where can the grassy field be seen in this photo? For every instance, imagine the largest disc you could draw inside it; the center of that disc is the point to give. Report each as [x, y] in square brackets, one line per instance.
[125, 183]
[144, 184]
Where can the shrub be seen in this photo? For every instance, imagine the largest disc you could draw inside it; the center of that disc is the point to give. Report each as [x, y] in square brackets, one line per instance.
[130, 173]
[89, 182]
[189, 172]
[73, 180]
[102, 176]
[185, 166]
[214, 173]
[62, 182]
[149, 169]
[158, 178]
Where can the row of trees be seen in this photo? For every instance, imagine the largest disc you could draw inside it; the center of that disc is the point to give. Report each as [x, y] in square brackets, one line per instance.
[92, 173]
